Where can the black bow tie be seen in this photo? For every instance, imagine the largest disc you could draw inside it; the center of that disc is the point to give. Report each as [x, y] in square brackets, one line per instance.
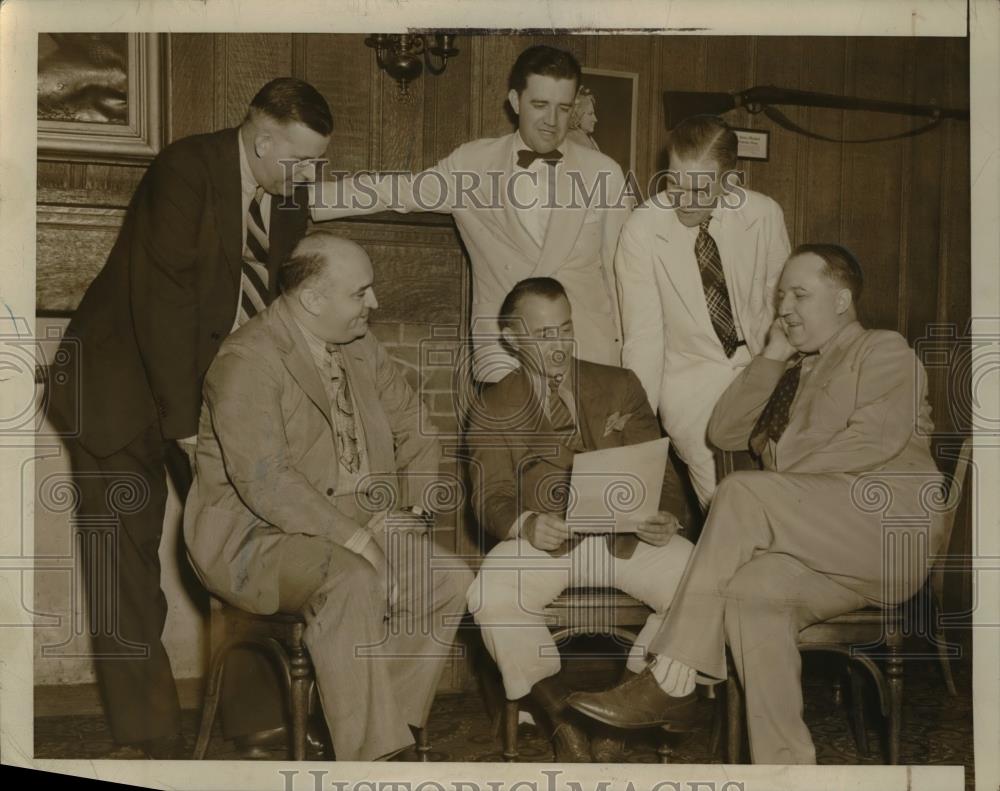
[525, 157]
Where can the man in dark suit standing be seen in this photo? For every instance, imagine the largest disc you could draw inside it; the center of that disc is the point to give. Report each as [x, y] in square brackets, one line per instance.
[210, 223]
[523, 438]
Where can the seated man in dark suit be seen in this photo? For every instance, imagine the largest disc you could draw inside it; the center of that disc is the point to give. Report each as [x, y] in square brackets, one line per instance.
[523, 437]
[310, 458]
[831, 409]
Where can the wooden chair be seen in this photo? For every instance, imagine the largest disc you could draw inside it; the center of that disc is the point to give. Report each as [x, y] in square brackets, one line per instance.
[580, 611]
[280, 636]
[855, 634]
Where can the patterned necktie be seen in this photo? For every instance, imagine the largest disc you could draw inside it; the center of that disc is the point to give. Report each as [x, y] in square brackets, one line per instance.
[561, 418]
[253, 280]
[525, 157]
[774, 419]
[343, 418]
[716, 294]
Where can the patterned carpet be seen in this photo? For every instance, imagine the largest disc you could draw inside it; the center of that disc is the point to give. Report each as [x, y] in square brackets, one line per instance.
[937, 728]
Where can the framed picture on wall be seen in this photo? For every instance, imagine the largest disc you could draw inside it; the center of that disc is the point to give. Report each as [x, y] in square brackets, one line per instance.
[605, 114]
[99, 96]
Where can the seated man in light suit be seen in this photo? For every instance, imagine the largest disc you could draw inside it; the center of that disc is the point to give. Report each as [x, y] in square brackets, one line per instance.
[831, 409]
[697, 265]
[306, 421]
[527, 204]
[523, 437]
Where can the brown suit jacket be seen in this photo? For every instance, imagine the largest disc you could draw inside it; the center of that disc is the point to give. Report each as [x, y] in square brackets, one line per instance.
[266, 464]
[518, 462]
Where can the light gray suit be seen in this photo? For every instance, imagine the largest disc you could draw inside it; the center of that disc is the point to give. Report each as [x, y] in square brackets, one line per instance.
[266, 533]
[837, 519]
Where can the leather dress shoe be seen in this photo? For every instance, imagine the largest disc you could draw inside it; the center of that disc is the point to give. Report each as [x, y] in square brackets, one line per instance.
[570, 742]
[607, 745]
[638, 703]
[260, 745]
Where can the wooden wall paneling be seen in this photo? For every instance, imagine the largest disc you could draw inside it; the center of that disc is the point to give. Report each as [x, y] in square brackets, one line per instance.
[499, 54]
[342, 68]
[926, 158]
[251, 60]
[401, 125]
[680, 66]
[634, 53]
[821, 173]
[447, 110]
[871, 188]
[779, 62]
[72, 244]
[192, 80]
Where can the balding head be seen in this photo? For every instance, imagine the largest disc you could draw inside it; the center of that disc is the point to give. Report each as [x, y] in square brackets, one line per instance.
[328, 281]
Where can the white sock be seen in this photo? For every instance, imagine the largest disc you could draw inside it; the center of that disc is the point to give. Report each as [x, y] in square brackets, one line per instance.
[675, 678]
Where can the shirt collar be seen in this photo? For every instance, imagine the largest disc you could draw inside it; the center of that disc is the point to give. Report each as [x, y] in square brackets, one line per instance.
[248, 183]
[519, 144]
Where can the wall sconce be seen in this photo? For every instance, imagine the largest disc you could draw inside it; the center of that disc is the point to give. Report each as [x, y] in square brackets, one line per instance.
[399, 55]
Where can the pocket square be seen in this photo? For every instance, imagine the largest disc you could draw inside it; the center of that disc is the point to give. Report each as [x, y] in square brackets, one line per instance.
[616, 422]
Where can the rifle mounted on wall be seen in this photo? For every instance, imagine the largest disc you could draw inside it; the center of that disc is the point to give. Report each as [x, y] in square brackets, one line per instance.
[679, 105]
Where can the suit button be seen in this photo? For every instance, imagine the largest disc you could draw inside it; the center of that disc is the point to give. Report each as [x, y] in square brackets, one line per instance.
[216, 336]
[329, 492]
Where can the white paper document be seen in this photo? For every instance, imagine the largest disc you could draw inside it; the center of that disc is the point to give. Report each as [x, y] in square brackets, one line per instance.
[612, 489]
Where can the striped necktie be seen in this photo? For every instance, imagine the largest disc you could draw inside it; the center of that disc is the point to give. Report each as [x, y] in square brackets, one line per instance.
[713, 280]
[773, 419]
[253, 279]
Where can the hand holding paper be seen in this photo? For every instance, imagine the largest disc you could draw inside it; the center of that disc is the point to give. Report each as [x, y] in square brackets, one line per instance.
[658, 529]
[616, 490]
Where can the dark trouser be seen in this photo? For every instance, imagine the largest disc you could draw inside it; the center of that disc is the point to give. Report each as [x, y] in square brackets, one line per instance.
[119, 525]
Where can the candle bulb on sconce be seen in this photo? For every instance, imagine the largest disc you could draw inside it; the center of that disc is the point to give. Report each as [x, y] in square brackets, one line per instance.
[403, 56]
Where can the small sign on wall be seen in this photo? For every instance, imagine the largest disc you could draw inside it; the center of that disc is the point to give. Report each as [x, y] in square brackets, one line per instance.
[753, 144]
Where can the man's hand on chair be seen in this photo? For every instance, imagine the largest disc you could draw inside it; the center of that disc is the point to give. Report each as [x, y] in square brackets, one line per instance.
[545, 531]
[658, 529]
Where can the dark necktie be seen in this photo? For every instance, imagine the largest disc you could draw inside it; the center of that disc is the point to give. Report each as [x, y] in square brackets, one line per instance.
[774, 419]
[525, 157]
[253, 277]
[343, 404]
[716, 294]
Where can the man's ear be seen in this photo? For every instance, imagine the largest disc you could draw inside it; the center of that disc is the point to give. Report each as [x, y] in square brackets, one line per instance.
[262, 144]
[844, 300]
[515, 101]
[309, 299]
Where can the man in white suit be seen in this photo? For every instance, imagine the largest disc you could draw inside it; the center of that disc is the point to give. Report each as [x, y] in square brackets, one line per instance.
[528, 204]
[684, 351]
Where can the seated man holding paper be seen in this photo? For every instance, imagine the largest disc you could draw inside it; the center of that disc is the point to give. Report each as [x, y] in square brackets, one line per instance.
[523, 436]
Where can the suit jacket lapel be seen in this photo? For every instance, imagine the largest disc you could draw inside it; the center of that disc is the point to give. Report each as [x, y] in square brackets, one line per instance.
[298, 359]
[737, 255]
[565, 221]
[589, 405]
[791, 447]
[229, 197]
[686, 282]
[512, 227]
